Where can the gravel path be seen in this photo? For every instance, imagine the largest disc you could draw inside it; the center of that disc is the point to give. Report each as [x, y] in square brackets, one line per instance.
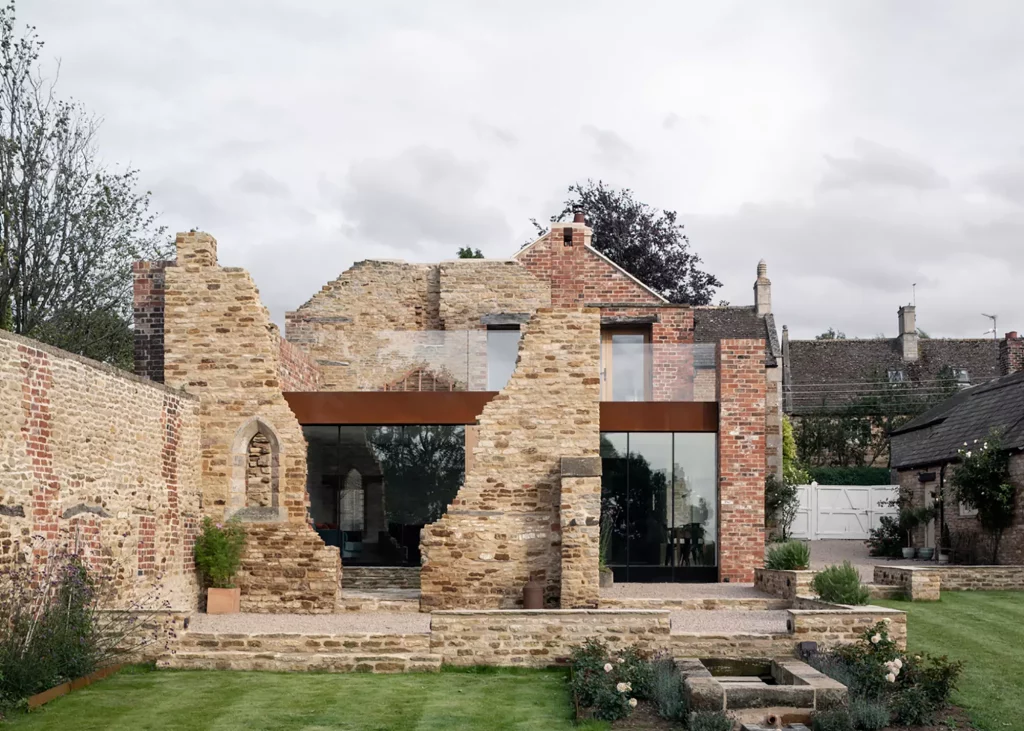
[826, 553]
[720, 620]
[683, 591]
[325, 624]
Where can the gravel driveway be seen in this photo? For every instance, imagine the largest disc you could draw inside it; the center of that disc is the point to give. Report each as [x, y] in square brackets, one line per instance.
[825, 553]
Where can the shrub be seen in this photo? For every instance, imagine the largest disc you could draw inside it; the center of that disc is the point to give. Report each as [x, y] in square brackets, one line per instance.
[635, 669]
[841, 585]
[218, 552]
[667, 690]
[887, 539]
[835, 719]
[869, 715]
[788, 556]
[982, 481]
[911, 707]
[600, 682]
[710, 721]
[850, 475]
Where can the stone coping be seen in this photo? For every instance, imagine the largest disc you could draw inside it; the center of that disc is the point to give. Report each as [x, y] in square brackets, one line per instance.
[848, 609]
[308, 635]
[549, 612]
[734, 635]
[934, 566]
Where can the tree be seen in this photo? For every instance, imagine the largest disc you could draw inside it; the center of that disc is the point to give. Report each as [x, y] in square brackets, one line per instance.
[831, 334]
[467, 253]
[69, 227]
[982, 482]
[646, 242]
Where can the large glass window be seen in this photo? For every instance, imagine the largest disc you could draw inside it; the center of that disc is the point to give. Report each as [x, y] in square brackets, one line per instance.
[372, 488]
[659, 503]
[502, 352]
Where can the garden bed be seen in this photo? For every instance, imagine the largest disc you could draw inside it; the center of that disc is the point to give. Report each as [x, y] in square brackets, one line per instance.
[46, 696]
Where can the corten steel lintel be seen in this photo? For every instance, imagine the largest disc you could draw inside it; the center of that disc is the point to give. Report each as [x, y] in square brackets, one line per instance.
[463, 407]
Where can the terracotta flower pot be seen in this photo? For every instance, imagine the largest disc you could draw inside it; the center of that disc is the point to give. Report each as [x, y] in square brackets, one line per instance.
[223, 601]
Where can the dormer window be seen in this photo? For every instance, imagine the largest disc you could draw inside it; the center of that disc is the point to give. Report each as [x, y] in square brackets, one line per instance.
[897, 375]
[961, 376]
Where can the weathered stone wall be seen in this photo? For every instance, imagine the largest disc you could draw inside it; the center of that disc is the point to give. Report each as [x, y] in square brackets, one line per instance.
[296, 369]
[287, 569]
[916, 584]
[922, 583]
[503, 528]
[221, 346]
[95, 458]
[741, 461]
[472, 288]
[831, 627]
[785, 584]
[370, 578]
[148, 297]
[538, 638]
[580, 517]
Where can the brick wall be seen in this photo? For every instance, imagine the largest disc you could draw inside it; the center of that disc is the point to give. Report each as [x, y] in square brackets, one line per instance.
[741, 461]
[503, 527]
[148, 282]
[1011, 354]
[95, 458]
[297, 371]
[221, 346]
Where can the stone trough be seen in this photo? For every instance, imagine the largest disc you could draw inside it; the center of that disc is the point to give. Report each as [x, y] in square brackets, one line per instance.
[770, 692]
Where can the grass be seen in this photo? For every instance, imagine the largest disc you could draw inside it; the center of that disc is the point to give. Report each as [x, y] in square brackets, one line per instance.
[986, 631]
[492, 699]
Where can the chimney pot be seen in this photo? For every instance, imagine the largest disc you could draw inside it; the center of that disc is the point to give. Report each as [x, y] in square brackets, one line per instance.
[1012, 335]
[577, 217]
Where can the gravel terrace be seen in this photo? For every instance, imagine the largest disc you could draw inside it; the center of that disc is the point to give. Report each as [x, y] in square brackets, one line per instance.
[826, 553]
[395, 623]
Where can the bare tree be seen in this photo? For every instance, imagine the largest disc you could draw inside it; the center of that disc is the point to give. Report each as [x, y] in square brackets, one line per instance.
[69, 227]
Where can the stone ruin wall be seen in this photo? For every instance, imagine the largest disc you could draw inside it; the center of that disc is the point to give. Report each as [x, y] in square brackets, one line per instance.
[504, 528]
[221, 346]
[96, 459]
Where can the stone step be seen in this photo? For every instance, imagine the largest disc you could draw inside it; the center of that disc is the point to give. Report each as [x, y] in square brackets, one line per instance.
[750, 604]
[367, 643]
[344, 662]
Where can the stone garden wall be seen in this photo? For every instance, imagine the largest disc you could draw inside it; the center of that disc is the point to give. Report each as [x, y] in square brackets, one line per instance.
[98, 460]
[785, 584]
[921, 583]
[503, 528]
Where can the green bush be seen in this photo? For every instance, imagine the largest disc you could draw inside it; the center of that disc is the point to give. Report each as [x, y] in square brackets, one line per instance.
[600, 682]
[667, 690]
[911, 707]
[218, 552]
[840, 584]
[869, 715]
[850, 475]
[888, 539]
[835, 719]
[635, 669]
[788, 556]
[710, 721]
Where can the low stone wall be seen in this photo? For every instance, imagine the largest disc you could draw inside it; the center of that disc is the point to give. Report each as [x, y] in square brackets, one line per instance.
[750, 604]
[149, 634]
[286, 568]
[540, 637]
[841, 625]
[371, 578]
[731, 645]
[785, 584]
[922, 583]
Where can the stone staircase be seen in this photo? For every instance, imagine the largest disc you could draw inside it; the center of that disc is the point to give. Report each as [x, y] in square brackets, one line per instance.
[363, 652]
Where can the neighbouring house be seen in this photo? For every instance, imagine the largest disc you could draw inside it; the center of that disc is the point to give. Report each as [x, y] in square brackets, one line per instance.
[465, 427]
[844, 396]
[924, 456]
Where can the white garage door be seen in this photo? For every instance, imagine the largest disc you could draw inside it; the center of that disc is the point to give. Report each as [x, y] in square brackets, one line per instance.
[841, 511]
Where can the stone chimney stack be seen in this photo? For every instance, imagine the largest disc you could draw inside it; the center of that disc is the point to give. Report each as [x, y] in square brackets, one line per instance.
[1011, 354]
[908, 333]
[763, 290]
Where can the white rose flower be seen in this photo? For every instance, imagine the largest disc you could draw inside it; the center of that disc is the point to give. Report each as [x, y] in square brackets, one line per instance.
[898, 663]
[967, 453]
[632, 702]
[622, 687]
[622, 660]
[875, 639]
[887, 620]
[607, 667]
[891, 678]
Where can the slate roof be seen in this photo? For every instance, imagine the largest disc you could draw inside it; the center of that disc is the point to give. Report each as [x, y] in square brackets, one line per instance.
[832, 373]
[711, 324]
[935, 436]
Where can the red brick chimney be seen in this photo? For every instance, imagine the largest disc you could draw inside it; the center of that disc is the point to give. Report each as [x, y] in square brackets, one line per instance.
[1011, 354]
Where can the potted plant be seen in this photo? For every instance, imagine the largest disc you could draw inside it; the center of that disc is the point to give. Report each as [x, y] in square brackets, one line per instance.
[218, 555]
[910, 518]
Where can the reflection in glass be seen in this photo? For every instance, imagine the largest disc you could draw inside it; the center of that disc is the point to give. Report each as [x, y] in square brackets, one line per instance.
[629, 367]
[659, 502]
[373, 488]
[502, 352]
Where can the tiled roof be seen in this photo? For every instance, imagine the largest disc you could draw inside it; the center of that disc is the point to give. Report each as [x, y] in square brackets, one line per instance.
[711, 324]
[834, 372]
[936, 435]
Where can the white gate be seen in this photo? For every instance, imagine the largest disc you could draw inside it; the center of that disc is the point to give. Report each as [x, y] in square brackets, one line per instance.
[841, 511]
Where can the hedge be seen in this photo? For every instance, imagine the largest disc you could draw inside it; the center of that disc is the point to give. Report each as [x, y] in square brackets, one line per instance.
[850, 475]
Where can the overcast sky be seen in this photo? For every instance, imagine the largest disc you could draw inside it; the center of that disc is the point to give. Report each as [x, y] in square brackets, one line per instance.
[858, 147]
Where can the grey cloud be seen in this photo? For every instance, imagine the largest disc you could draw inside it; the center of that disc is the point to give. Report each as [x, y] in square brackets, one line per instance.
[1005, 181]
[259, 182]
[421, 197]
[611, 147]
[491, 133]
[876, 165]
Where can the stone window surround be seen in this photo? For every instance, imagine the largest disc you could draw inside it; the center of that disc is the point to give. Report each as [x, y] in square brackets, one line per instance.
[236, 507]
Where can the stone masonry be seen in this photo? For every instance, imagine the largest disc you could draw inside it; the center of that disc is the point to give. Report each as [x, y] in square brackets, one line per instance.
[741, 465]
[503, 528]
[96, 459]
[220, 345]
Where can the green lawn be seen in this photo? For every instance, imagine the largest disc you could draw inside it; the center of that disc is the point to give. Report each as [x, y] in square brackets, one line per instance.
[986, 631]
[225, 701]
